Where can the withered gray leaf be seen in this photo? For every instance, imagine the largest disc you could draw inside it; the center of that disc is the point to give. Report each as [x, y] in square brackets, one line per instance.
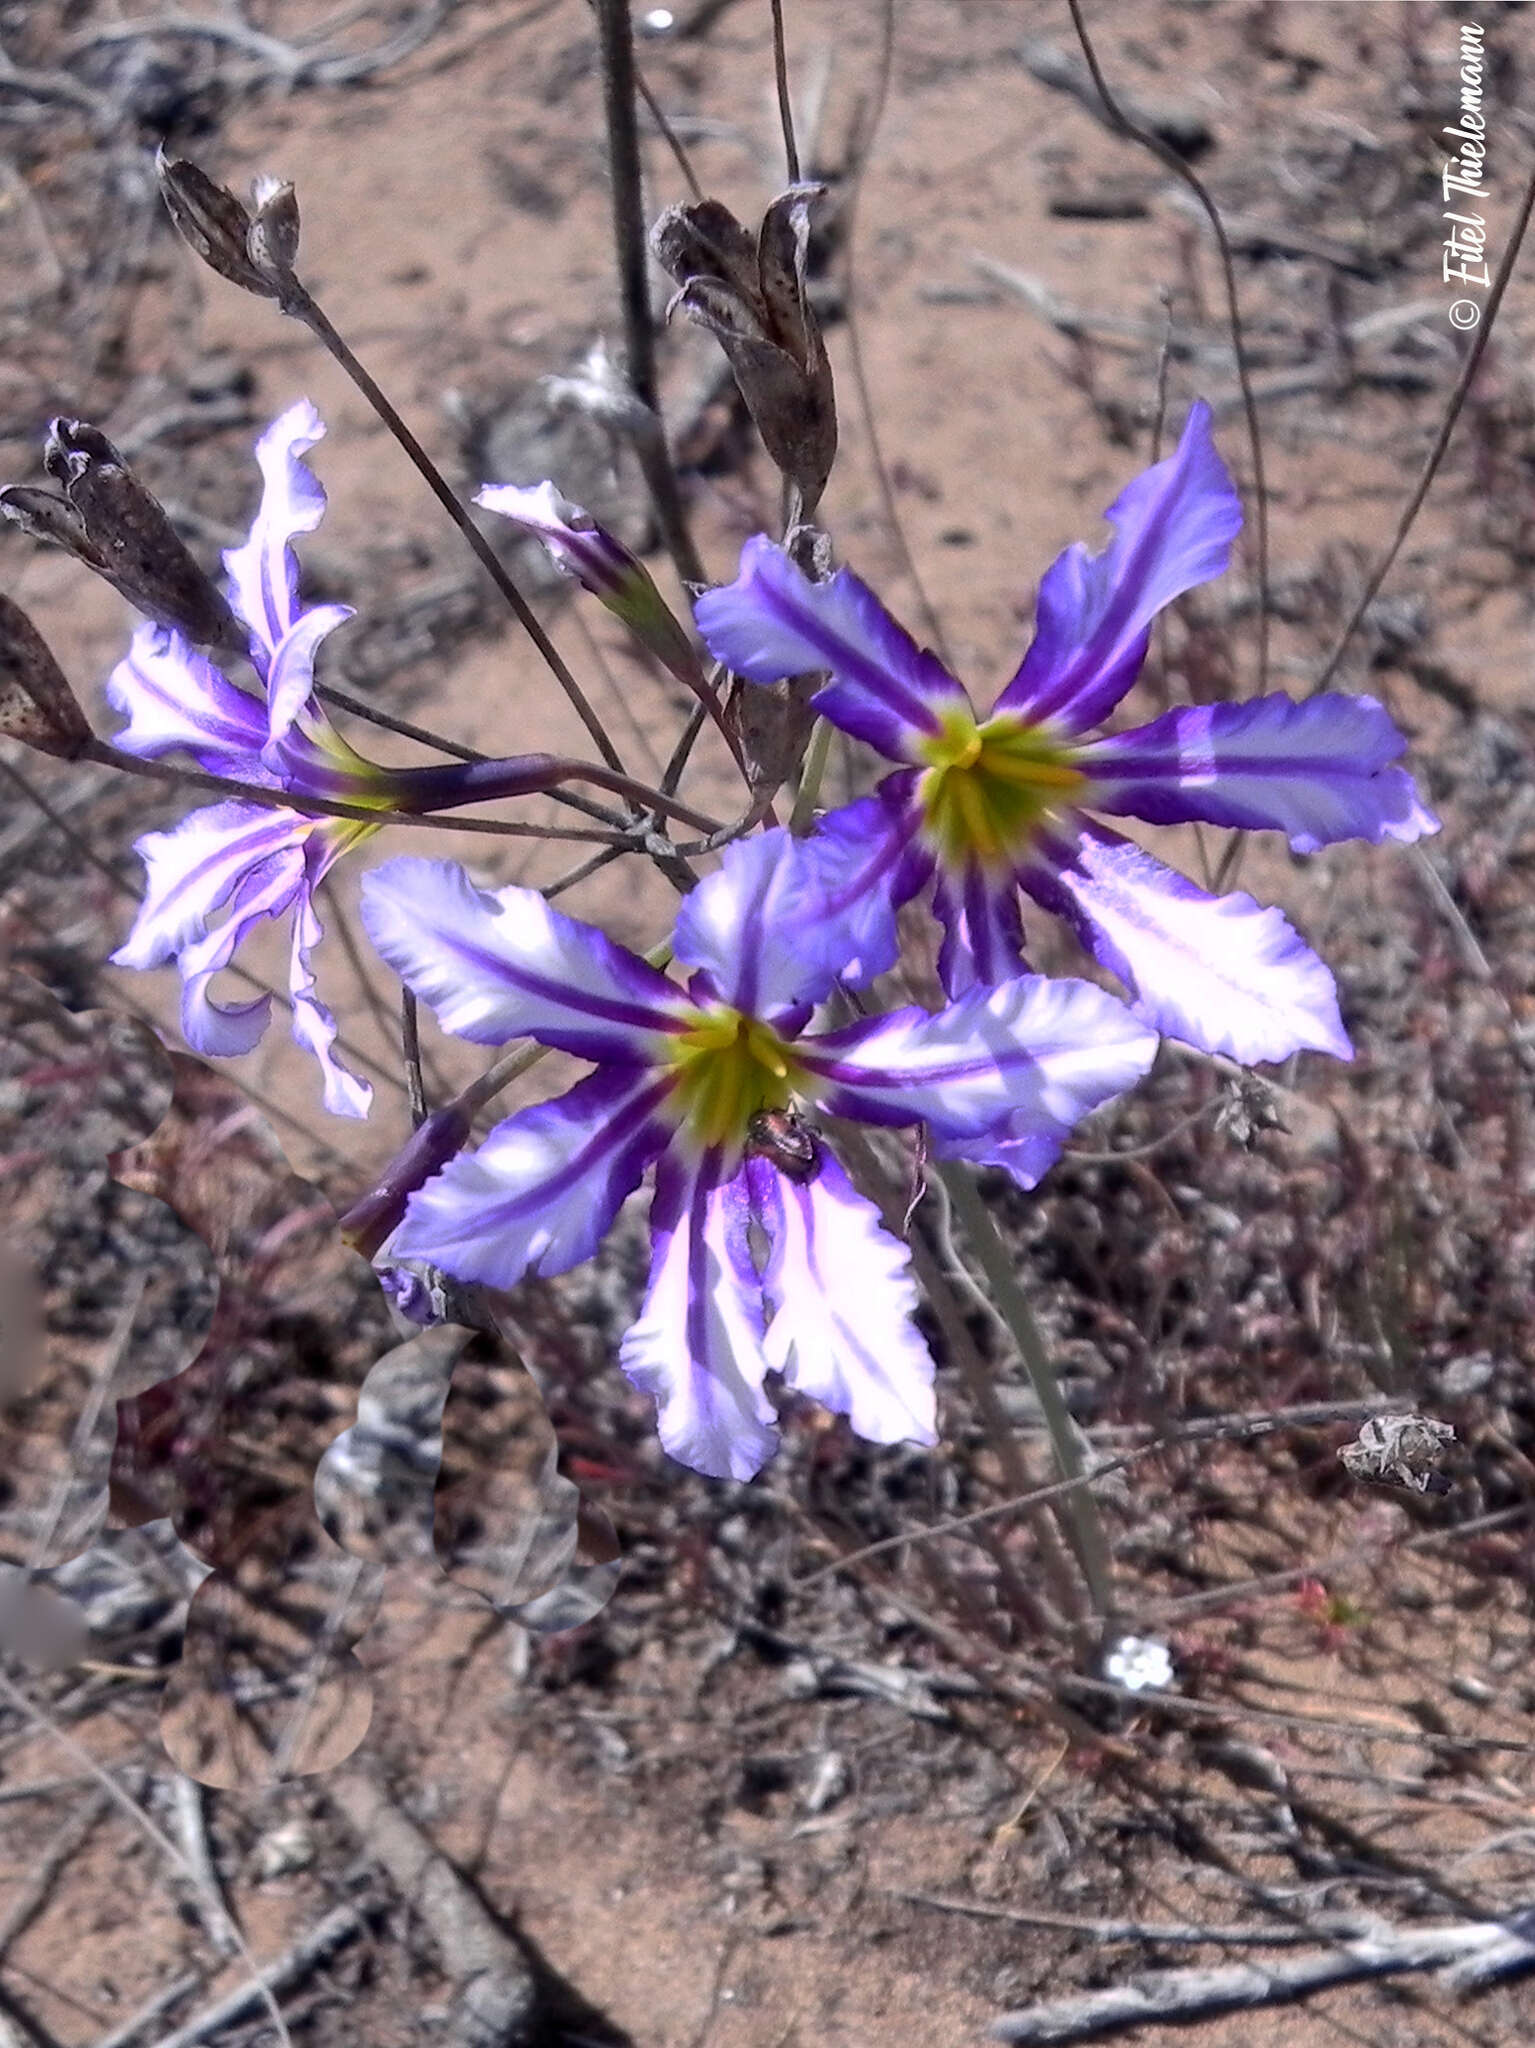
[1407, 1451]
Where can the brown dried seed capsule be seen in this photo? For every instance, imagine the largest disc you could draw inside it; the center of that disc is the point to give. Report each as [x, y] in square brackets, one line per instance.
[109, 521]
[37, 706]
[272, 239]
[212, 222]
[754, 298]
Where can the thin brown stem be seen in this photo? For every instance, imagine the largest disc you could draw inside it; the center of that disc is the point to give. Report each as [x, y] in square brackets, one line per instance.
[931, 625]
[410, 1046]
[615, 38]
[785, 104]
[303, 306]
[669, 135]
[1420, 490]
[1173, 162]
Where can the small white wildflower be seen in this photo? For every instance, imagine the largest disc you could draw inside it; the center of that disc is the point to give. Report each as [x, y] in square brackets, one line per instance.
[1139, 1664]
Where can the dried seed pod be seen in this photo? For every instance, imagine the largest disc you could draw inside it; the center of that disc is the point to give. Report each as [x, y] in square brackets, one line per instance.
[110, 522]
[272, 238]
[754, 298]
[212, 222]
[37, 706]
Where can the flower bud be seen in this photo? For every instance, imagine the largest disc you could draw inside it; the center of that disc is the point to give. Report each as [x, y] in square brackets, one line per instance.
[755, 300]
[110, 522]
[37, 706]
[601, 564]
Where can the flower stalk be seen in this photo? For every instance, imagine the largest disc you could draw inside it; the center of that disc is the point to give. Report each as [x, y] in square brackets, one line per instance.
[224, 233]
[1078, 1509]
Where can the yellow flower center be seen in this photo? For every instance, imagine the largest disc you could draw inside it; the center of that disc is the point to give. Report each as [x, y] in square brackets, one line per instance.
[727, 1069]
[988, 788]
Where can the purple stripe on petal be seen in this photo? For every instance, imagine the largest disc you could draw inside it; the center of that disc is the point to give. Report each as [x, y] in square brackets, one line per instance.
[265, 891]
[541, 1192]
[174, 698]
[1035, 1054]
[1318, 771]
[192, 869]
[766, 928]
[290, 680]
[1215, 971]
[697, 1347]
[982, 929]
[871, 862]
[1173, 528]
[263, 574]
[842, 1296]
[502, 966]
[774, 622]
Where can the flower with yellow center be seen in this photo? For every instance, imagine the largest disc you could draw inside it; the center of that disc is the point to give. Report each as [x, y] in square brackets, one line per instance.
[993, 811]
[764, 1256]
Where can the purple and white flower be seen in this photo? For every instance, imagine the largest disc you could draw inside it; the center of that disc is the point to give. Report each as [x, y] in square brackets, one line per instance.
[764, 1255]
[261, 861]
[986, 808]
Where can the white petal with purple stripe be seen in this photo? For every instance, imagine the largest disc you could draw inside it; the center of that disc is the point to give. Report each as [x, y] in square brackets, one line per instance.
[195, 867]
[763, 927]
[263, 574]
[1215, 971]
[697, 1347]
[1173, 528]
[1033, 1053]
[1318, 771]
[507, 965]
[314, 1026]
[265, 890]
[174, 698]
[842, 1297]
[542, 1191]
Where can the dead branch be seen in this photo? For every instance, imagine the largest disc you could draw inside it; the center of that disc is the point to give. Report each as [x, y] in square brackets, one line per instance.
[1162, 1997]
[192, 1826]
[1254, 237]
[294, 64]
[1344, 1925]
[152, 2009]
[288, 1970]
[497, 1997]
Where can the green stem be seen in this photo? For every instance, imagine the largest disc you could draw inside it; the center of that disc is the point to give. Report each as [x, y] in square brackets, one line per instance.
[809, 794]
[1080, 1509]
